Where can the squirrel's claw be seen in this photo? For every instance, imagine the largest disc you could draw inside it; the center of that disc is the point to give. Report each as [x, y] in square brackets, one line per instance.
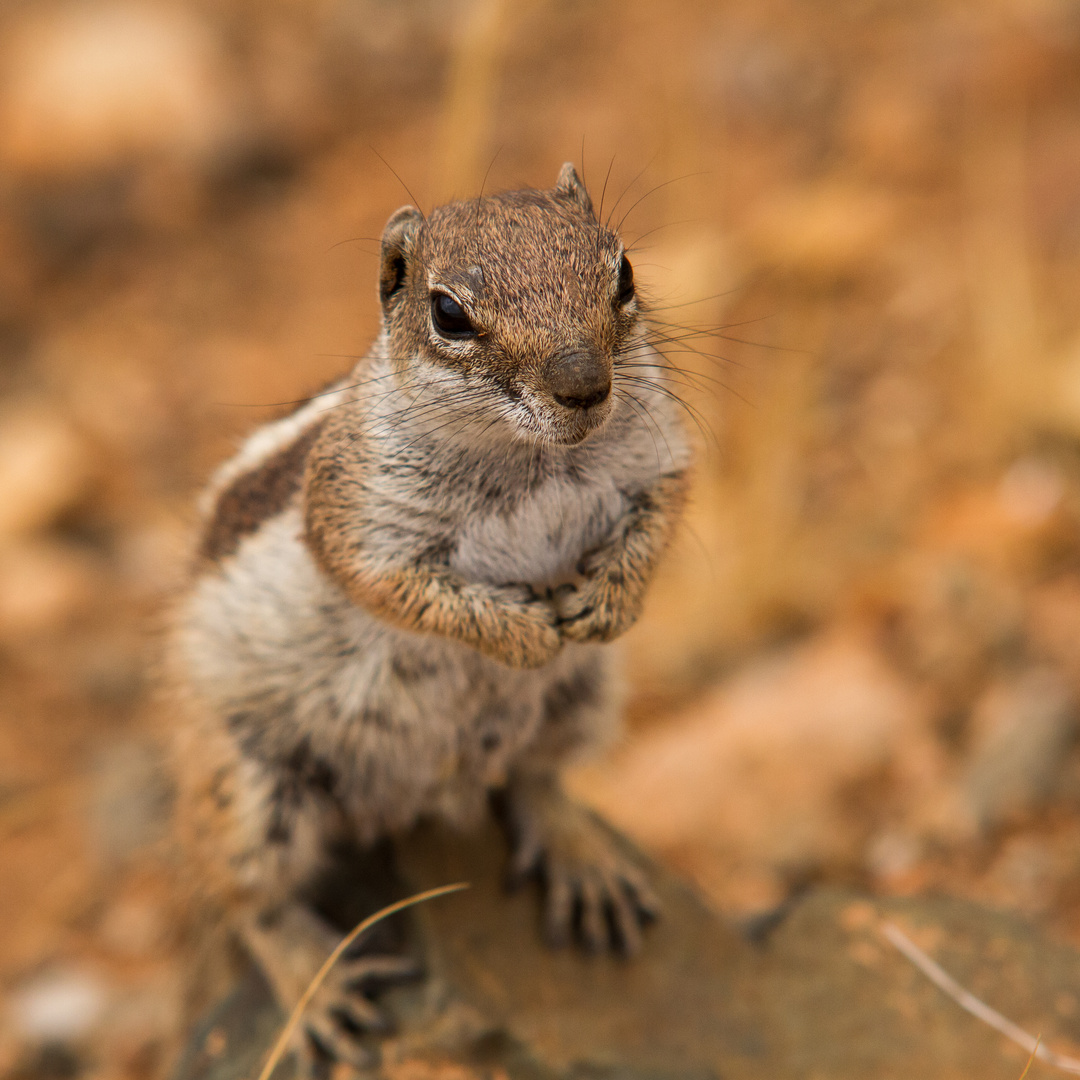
[340, 1014]
[592, 891]
[325, 1041]
[600, 609]
[601, 909]
[378, 971]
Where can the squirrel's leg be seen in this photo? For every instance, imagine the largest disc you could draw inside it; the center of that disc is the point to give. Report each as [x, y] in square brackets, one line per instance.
[509, 623]
[616, 574]
[257, 836]
[593, 888]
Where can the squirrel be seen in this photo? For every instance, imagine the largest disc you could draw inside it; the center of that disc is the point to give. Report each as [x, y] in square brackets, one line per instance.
[403, 591]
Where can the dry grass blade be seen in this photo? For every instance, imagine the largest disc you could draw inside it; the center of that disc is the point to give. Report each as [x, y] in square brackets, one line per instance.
[286, 1032]
[1031, 1058]
[979, 1009]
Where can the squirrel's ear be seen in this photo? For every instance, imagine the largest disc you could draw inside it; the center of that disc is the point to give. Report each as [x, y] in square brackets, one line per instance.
[569, 185]
[397, 243]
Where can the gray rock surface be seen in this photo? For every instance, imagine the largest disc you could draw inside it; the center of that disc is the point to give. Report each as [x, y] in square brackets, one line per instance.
[1021, 734]
[819, 996]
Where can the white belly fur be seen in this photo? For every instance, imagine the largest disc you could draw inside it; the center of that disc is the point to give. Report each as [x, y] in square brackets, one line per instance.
[541, 540]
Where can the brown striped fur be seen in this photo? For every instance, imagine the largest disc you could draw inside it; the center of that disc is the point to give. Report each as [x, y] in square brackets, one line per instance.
[255, 496]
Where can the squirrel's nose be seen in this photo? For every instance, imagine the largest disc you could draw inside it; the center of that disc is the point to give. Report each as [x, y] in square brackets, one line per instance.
[578, 381]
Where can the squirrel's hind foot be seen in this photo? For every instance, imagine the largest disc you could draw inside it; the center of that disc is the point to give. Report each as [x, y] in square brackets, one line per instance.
[341, 1016]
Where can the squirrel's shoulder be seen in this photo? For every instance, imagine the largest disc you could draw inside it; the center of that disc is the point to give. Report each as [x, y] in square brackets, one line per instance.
[265, 475]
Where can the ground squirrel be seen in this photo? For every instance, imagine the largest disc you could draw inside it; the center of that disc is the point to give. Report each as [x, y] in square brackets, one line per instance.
[404, 588]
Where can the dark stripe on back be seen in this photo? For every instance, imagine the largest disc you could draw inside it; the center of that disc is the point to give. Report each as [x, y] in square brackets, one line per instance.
[256, 496]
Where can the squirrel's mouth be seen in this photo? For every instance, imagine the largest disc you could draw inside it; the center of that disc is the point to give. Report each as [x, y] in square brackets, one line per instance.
[555, 423]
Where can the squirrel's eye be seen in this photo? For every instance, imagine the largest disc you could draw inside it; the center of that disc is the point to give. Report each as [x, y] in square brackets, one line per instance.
[449, 317]
[626, 282]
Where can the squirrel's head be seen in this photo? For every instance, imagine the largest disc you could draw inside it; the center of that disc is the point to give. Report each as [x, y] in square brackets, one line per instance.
[516, 304]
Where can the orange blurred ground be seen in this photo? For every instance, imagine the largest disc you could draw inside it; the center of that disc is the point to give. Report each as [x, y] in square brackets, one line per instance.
[861, 663]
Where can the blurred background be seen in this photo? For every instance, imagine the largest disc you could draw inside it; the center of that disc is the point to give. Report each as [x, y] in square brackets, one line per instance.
[861, 663]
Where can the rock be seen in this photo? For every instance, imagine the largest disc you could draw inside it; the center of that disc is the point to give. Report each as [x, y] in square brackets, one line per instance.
[1031, 490]
[234, 1039]
[821, 995]
[44, 584]
[45, 468]
[114, 117]
[1021, 732]
[129, 798]
[59, 1005]
[88, 86]
[760, 774]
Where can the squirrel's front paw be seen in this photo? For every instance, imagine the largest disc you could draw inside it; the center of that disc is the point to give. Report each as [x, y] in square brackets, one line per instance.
[592, 890]
[599, 609]
[340, 1014]
[527, 635]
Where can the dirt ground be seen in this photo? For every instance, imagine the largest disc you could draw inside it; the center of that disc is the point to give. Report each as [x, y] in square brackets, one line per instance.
[861, 662]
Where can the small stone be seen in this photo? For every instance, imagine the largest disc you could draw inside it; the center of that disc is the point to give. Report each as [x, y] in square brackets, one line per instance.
[44, 468]
[59, 1006]
[216, 1042]
[865, 953]
[130, 796]
[892, 854]
[95, 85]
[1025, 875]
[1021, 731]
[133, 929]
[43, 585]
[858, 915]
[1031, 490]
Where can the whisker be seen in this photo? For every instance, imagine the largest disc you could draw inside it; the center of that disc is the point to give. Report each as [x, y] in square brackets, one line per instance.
[355, 240]
[611, 212]
[600, 215]
[692, 381]
[681, 345]
[718, 330]
[483, 184]
[415, 201]
[682, 376]
[667, 225]
[652, 191]
[705, 299]
[695, 414]
[462, 422]
[670, 365]
[719, 382]
[640, 409]
[334, 389]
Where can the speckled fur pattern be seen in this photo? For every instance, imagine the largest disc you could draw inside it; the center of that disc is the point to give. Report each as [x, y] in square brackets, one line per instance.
[406, 587]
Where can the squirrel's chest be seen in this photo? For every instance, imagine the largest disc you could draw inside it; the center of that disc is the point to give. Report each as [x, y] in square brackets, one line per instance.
[539, 538]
